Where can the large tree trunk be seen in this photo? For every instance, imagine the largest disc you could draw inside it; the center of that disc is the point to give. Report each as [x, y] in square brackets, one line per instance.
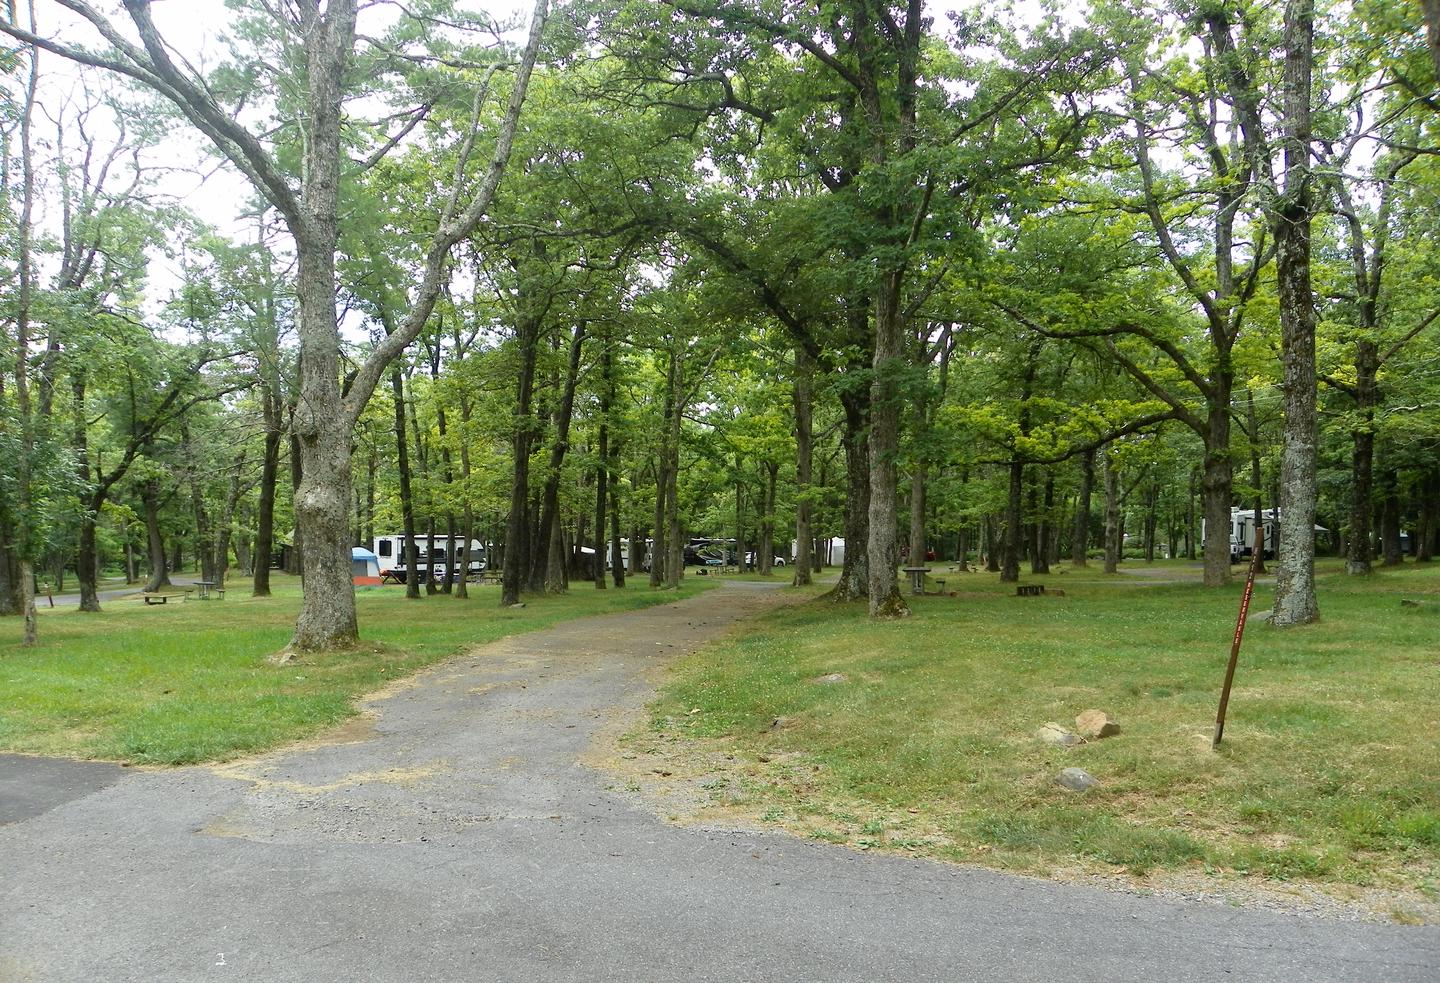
[1295, 600]
[882, 552]
[327, 614]
[159, 572]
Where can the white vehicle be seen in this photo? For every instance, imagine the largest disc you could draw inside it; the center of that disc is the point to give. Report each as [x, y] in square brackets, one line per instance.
[1242, 532]
[391, 553]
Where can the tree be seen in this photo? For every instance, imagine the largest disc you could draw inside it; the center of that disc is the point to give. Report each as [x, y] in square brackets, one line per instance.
[325, 415]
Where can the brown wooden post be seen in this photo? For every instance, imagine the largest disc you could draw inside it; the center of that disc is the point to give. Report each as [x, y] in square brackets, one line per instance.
[1239, 634]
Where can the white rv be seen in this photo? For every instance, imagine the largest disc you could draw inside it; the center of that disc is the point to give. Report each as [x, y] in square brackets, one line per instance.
[391, 553]
[1242, 532]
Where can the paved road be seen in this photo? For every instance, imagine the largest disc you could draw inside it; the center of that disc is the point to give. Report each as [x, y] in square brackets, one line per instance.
[457, 838]
[180, 581]
[71, 600]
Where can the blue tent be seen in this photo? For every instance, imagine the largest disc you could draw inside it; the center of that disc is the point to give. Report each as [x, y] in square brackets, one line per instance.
[364, 566]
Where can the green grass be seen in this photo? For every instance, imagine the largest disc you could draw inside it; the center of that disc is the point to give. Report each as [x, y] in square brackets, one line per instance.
[1328, 771]
[189, 682]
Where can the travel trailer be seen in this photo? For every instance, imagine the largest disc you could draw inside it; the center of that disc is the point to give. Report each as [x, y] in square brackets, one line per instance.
[1242, 532]
[390, 550]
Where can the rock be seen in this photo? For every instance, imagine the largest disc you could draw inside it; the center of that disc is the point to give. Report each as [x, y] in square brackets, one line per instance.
[1265, 616]
[1093, 724]
[1076, 780]
[832, 679]
[1053, 733]
[517, 604]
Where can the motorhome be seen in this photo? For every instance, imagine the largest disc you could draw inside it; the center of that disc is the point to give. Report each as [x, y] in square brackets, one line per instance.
[447, 558]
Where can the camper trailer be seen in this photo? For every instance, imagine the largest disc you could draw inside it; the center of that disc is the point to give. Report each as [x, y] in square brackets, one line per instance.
[446, 561]
[1242, 532]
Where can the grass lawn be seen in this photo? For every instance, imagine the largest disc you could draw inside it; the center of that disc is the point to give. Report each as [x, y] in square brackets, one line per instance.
[188, 682]
[1330, 769]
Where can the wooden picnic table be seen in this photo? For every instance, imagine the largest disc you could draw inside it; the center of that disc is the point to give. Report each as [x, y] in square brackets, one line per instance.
[205, 588]
[155, 597]
[917, 579]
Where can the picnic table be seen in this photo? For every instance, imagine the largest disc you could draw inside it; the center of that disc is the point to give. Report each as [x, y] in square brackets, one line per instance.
[917, 579]
[205, 588]
[156, 597]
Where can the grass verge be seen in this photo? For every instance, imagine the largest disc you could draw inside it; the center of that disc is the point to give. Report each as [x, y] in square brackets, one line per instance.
[187, 682]
[1327, 774]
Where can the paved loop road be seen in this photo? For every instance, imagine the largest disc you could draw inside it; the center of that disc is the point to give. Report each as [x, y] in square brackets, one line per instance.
[452, 835]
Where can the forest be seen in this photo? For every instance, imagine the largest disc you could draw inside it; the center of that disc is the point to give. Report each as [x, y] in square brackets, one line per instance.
[1004, 287]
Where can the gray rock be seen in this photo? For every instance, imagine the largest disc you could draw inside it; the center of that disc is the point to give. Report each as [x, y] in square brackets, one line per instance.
[1095, 724]
[517, 604]
[1076, 780]
[832, 679]
[1053, 733]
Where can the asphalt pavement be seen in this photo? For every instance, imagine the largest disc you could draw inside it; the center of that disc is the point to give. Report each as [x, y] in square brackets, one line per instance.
[454, 834]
